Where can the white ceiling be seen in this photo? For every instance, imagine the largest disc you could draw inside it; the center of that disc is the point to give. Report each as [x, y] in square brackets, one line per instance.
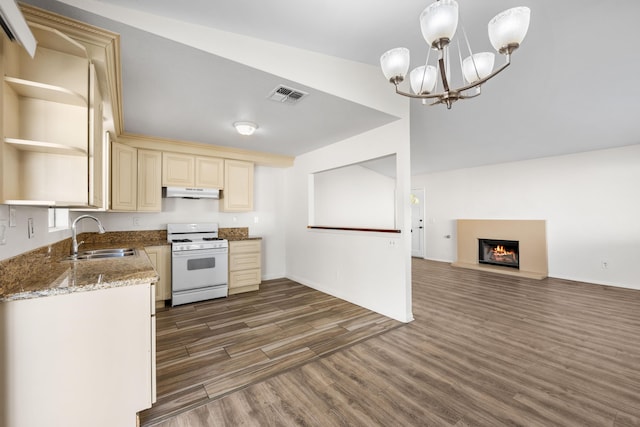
[572, 86]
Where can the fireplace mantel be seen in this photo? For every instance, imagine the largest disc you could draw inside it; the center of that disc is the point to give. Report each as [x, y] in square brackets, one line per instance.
[531, 234]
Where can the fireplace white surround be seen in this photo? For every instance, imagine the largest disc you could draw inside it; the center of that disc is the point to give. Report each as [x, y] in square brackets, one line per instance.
[531, 235]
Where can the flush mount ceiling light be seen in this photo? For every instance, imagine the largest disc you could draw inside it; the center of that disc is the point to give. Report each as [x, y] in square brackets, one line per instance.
[245, 128]
[439, 22]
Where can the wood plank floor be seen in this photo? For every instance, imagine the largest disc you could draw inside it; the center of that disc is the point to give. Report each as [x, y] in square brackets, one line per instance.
[208, 349]
[484, 350]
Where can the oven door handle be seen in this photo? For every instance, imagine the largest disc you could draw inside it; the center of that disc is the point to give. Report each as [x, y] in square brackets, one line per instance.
[198, 252]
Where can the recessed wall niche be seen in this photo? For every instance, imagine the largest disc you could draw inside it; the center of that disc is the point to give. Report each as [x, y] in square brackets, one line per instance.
[356, 196]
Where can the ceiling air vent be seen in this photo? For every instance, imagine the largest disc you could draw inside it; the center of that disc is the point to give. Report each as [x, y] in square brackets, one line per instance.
[286, 95]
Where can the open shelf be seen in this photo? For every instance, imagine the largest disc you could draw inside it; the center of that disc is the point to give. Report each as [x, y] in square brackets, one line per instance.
[45, 147]
[46, 92]
[51, 38]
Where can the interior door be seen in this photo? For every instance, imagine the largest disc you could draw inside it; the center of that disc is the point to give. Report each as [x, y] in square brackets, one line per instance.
[417, 222]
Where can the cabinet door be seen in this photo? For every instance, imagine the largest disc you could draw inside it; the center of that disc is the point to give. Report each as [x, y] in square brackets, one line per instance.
[244, 261]
[160, 257]
[237, 195]
[177, 170]
[85, 357]
[97, 169]
[209, 172]
[124, 165]
[245, 246]
[149, 181]
[244, 281]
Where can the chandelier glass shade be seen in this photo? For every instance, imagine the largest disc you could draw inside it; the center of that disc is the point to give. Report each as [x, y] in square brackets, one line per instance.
[439, 22]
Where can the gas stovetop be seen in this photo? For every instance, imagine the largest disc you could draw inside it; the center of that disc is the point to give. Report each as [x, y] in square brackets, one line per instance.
[193, 236]
[204, 239]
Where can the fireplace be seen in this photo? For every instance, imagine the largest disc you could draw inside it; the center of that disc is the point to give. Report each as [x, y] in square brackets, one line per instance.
[499, 252]
[529, 233]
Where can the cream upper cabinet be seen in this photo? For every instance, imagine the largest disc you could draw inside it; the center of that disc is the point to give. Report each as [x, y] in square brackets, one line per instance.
[209, 172]
[54, 111]
[185, 170]
[135, 179]
[45, 121]
[178, 170]
[124, 170]
[237, 195]
[149, 181]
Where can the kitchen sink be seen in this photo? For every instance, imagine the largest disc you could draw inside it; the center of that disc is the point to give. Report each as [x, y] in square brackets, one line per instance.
[106, 251]
[102, 254]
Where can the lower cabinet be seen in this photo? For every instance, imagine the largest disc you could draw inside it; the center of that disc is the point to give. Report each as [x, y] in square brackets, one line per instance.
[79, 359]
[245, 260]
[160, 257]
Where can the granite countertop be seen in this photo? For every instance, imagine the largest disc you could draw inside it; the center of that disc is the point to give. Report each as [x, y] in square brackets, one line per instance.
[86, 275]
[45, 272]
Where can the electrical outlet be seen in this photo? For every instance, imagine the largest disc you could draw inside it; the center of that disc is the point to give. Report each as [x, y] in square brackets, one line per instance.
[136, 221]
[605, 265]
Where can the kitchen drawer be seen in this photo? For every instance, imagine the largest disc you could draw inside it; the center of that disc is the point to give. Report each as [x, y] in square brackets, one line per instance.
[244, 261]
[243, 281]
[244, 246]
[245, 264]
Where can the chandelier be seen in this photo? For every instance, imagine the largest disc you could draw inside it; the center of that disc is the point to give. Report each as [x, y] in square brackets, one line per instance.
[439, 22]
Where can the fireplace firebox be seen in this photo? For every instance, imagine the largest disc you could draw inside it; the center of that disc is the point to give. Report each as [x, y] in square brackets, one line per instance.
[499, 252]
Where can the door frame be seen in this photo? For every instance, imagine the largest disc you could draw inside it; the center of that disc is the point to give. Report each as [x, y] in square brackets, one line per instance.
[419, 193]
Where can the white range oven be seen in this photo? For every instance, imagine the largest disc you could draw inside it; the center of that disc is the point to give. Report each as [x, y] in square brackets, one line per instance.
[199, 262]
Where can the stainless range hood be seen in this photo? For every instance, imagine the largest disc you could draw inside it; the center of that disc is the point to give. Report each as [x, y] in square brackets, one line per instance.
[192, 193]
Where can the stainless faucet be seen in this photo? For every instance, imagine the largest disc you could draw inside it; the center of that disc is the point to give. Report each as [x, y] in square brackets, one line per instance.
[74, 238]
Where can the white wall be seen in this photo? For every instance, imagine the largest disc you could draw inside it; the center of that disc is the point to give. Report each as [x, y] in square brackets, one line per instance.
[369, 269]
[353, 196]
[16, 238]
[590, 201]
[266, 221]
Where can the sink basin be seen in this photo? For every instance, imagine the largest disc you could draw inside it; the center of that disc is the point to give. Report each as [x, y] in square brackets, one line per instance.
[106, 251]
[102, 254]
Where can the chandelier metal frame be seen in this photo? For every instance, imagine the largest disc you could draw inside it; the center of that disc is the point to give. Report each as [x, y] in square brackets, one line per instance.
[449, 95]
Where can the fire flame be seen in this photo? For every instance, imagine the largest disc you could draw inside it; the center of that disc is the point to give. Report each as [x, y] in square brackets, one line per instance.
[500, 254]
[500, 250]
